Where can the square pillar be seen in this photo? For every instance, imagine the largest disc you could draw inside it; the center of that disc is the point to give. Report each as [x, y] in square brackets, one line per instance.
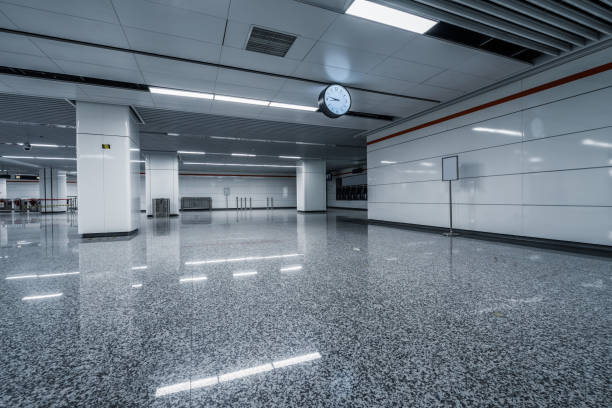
[161, 178]
[108, 167]
[311, 185]
[52, 190]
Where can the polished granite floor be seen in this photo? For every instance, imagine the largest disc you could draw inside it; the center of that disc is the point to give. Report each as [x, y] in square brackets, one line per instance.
[278, 309]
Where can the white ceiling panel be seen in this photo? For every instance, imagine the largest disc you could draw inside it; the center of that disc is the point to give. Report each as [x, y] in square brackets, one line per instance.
[127, 96]
[242, 91]
[326, 74]
[434, 92]
[5, 22]
[62, 25]
[354, 32]
[289, 16]
[182, 104]
[379, 83]
[343, 57]
[100, 10]
[164, 44]
[18, 44]
[216, 8]
[309, 89]
[25, 61]
[301, 98]
[490, 66]
[255, 60]
[170, 20]
[459, 81]
[177, 81]
[236, 34]
[431, 51]
[90, 55]
[41, 87]
[176, 68]
[100, 71]
[250, 79]
[4, 87]
[235, 109]
[405, 70]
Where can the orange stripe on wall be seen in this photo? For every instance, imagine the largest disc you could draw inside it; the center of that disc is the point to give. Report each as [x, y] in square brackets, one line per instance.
[530, 91]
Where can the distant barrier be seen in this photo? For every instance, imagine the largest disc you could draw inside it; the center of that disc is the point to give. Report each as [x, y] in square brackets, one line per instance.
[35, 204]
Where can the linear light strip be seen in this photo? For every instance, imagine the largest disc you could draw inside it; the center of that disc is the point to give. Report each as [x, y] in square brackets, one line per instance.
[390, 16]
[139, 268]
[248, 258]
[227, 98]
[53, 295]
[291, 268]
[247, 273]
[234, 375]
[236, 164]
[193, 279]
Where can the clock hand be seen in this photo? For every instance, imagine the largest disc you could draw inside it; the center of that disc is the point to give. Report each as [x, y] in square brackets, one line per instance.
[334, 99]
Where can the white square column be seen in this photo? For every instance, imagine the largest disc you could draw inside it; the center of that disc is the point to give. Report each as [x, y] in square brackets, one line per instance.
[311, 185]
[161, 178]
[3, 193]
[52, 190]
[108, 168]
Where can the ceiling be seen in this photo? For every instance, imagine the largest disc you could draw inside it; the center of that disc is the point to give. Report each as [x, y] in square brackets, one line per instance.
[200, 46]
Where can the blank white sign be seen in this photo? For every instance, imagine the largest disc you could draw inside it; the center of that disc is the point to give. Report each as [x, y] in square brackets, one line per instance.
[450, 168]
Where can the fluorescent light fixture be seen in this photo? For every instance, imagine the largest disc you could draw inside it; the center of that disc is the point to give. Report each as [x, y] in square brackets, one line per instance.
[243, 155]
[137, 285]
[139, 268]
[189, 152]
[390, 16]
[193, 279]
[535, 159]
[225, 98]
[134, 149]
[291, 268]
[236, 164]
[426, 164]
[173, 134]
[53, 295]
[591, 142]
[18, 157]
[177, 92]
[248, 273]
[234, 375]
[500, 131]
[43, 145]
[247, 258]
[137, 161]
[290, 157]
[387, 162]
[44, 275]
[292, 106]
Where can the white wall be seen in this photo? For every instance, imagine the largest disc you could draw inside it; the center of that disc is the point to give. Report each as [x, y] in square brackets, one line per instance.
[547, 174]
[3, 188]
[282, 189]
[21, 189]
[347, 180]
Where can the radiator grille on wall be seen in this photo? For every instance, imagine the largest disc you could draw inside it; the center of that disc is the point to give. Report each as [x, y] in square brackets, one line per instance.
[196, 203]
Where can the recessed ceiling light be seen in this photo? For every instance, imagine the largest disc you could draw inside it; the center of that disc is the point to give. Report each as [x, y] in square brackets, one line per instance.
[237, 164]
[39, 158]
[387, 162]
[390, 16]
[241, 100]
[173, 134]
[292, 106]
[178, 92]
[43, 145]
[243, 154]
[290, 157]
[500, 131]
[189, 152]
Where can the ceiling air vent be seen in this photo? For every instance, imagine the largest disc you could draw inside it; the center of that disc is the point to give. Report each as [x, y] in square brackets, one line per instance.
[269, 42]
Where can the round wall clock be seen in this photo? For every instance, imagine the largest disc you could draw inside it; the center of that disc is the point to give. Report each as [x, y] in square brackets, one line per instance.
[334, 101]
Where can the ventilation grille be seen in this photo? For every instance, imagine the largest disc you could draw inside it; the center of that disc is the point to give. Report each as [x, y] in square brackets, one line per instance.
[269, 42]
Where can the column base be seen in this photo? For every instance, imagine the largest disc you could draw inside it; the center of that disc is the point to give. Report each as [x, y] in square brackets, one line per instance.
[109, 234]
[312, 212]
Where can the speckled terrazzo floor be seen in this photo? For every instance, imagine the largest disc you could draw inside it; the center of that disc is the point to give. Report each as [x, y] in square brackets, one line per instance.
[338, 314]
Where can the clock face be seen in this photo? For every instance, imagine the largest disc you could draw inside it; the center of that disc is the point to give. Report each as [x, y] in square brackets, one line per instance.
[335, 101]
